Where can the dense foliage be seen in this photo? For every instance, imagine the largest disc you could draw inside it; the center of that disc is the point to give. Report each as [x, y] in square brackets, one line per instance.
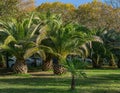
[64, 29]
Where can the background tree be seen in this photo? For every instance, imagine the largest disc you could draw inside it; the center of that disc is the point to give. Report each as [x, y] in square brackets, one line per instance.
[66, 10]
[8, 8]
[98, 15]
[26, 5]
[15, 8]
[112, 41]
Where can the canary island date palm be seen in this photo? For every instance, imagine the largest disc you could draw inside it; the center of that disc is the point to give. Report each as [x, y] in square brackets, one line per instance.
[112, 41]
[99, 51]
[64, 38]
[109, 50]
[21, 41]
[60, 41]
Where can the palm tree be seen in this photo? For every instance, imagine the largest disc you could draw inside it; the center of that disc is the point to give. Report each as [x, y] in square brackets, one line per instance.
[21, 41]
[99, 51]
[109, 50]
[112, 41]
[72, 68]
[64, 39]
[40, 19]
[61, 43]
[47, 63]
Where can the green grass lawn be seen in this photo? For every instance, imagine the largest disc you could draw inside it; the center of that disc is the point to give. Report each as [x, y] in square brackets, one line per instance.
[98, 81]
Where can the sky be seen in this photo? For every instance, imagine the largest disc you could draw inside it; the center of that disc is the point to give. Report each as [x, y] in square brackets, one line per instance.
[74, 2]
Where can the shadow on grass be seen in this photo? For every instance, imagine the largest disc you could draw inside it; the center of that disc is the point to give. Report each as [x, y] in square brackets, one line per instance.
[52, 90]
[34, 81]
[32, 90]
[57, 84]
[43, 75]
[41, 81]
[110, 77]
[59, 81]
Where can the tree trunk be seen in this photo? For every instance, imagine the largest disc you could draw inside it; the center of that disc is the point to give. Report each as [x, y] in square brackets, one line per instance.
[112, 63]
[118, 64]
[2, 62]
[96, 64]
[47, 65]
[2, 65]
[73, 82]
[57, 68]
[20, 67]
[7, 58]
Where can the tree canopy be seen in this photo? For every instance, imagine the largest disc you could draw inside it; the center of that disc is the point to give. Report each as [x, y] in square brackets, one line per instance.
[66, 10]
[98, 15]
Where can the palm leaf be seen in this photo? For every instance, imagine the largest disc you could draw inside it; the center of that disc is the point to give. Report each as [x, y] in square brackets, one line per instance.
[33, 32]
[40, 37]
[97, 39]
[30, 52]
[4, 47]
[85, 49]
[42, 54]
[46, 48]
[9, 39]
[30, 20]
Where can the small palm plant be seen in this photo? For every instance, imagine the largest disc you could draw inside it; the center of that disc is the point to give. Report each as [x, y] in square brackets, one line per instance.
[72, 65]
[21, 41]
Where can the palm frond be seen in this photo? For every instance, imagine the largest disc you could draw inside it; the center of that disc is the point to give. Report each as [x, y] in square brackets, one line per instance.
[42, 54]
[30, 20]
[4, 47]
[97, 39]
[84, 50]
[40, 37]
[30, 52]
[33, 32]
[9, 39]
[46, 48]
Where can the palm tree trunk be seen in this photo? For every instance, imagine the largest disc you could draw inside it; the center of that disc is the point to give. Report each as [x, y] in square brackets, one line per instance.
[96, 64]
[118, 64]
[57, 68]
[47, 65]
[20, 67]
[111, 63]
[73, 82]
[7, 58]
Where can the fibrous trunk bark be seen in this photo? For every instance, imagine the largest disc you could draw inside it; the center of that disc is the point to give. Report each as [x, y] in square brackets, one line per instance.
[57, 68]
[47, 65]
[20, 67]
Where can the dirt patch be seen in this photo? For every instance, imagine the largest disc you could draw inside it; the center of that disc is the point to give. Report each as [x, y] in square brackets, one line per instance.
[42, 74]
